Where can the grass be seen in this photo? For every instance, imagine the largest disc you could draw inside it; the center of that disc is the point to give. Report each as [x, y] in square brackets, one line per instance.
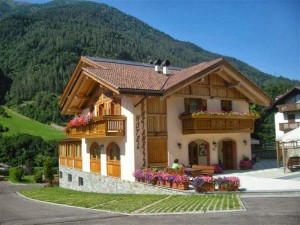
[21, 124]
[137, 204]
[26, 180]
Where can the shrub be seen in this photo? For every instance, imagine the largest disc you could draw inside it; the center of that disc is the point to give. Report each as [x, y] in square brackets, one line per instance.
[16, 174]
[4, 172]
[38, 177]
[49, 171]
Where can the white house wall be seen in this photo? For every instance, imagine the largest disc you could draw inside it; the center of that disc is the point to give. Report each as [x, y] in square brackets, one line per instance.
[175, 106]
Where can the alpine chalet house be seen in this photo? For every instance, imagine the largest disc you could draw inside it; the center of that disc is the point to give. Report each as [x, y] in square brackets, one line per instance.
[129, 115]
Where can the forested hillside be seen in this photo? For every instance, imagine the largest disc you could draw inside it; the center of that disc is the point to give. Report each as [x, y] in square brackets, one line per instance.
[41, 44]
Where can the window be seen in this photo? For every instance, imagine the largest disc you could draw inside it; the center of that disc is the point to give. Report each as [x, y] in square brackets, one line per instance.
[226, 105]
[77, 151]
[69, 151]
[195, 104]
[95, 152]
[62, 150]
[60, 174]
[114, 153]
[70, 177]
[291, 118]
[80, 181]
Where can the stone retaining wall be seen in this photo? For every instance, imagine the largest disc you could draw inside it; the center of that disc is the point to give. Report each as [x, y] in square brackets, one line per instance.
[104, 184]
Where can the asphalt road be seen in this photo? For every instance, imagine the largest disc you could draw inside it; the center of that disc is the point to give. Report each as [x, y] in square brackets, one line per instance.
[273, 210]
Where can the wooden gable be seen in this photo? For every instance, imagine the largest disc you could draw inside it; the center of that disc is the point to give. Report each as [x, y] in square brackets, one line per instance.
[220, 81]
[82, 90]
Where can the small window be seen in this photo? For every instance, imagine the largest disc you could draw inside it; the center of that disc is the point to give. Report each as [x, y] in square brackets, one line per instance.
[60, 174]
[70, 177]
[226, 105]
[195, 104]
[291, 118]
[77, 151]
[80, 181]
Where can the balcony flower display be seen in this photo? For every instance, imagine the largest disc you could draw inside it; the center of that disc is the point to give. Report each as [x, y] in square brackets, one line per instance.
[200, 113]
[80, 120]
[246, 163]
[204, 184]
[228, 183]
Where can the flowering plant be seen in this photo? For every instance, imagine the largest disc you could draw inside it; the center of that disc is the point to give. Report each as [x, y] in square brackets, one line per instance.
[150, 176]
[80, 120]
[170, 177]
[199, 181]
[138, 174]
[245, 163]
[255, 115]
[181, 179]
[230, 181]
[218, 168]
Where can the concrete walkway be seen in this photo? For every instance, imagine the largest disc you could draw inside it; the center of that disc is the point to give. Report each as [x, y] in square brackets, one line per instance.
[266, 177]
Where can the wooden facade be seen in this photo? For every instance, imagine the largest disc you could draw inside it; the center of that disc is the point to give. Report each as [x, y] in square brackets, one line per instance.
[157, 132]
[216, 124]
[70, 154]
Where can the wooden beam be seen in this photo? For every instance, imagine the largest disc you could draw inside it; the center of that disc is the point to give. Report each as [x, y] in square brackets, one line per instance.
[82, 97]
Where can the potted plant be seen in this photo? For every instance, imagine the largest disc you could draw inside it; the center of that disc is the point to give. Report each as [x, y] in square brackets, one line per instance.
[218, 168]
[169, 178]
[181, 182]
[139, 175]
[150, 177]
[228, 183]
[246, 163]
[160, 178]
[204, 184]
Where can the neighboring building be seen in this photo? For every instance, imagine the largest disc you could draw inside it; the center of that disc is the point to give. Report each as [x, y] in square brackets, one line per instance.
[143, 118]
[287, 107]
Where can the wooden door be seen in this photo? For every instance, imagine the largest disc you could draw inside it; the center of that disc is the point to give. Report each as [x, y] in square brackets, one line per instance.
[113, 160]
[157, 151]
[95, 163]
[229, 155]
[193, 153]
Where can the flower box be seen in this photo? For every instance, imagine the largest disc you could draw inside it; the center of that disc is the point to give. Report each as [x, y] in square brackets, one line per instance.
[225, 187]
[160, 183]
[182, 186]
[168, 184]
[206, 187]
[230, 183]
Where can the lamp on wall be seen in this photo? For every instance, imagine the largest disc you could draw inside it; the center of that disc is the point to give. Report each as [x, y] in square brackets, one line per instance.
[214, 144]
[101, 147]
[245, 142]
[179, 145]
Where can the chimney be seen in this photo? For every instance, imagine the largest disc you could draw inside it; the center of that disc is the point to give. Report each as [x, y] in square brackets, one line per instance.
[166, 65]
[157, 65]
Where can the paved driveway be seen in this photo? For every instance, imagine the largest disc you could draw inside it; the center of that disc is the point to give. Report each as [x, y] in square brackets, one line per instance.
[15, 209]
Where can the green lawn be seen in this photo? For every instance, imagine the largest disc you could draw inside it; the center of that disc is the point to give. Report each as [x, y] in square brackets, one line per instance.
[137, 204]
[21, 124]
[26, 180]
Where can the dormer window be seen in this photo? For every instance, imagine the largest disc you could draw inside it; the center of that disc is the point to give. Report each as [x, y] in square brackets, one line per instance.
[195, 104]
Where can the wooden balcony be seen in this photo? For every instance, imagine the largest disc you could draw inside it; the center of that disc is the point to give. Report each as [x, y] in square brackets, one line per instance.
[288, 126]
[210, 124]
[289, 107]
[101, 126]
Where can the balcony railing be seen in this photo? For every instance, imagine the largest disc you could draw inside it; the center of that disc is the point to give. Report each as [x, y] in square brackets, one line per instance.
[289, 107]
[216, 124]
[100, 126]
[288, 126]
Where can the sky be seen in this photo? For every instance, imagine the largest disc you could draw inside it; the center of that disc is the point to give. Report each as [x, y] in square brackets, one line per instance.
[263, 33]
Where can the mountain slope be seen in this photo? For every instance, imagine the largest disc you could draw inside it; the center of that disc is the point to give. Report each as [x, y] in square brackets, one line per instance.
[41, 44]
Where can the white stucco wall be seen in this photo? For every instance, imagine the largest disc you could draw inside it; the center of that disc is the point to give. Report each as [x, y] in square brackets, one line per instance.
[175, 106]
[283, 118]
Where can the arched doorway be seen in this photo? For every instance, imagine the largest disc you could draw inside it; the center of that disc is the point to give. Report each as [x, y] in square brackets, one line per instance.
[227, 154]
[199, 153]
[113, 160]
[95, 162]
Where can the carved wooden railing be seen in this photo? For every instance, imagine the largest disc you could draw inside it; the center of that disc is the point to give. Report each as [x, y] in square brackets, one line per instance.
[288, 126]
[100, 126]
[217, 124]
[289, 107]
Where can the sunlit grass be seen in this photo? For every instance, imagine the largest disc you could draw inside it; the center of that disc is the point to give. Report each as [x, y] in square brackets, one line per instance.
[137, 204]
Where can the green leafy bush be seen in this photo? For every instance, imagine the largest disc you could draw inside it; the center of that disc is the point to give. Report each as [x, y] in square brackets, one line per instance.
[38, 177]
[16, 174]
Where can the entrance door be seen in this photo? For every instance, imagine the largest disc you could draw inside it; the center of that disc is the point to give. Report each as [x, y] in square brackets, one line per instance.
[229, 155]
[193, 153]
[95, 165]
[113, 160]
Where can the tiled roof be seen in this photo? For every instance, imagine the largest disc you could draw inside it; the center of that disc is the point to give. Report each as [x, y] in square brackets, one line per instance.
[140, 76]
